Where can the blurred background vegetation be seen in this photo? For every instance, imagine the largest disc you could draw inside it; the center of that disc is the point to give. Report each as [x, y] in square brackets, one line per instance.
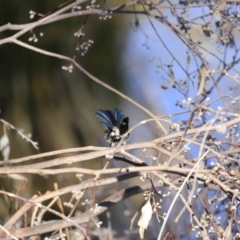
[55, 106]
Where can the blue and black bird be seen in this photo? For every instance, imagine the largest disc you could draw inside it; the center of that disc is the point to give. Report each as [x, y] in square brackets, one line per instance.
[116, 125]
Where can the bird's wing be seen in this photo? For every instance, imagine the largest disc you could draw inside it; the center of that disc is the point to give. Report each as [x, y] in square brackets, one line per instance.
[119, 116]
[107, 117]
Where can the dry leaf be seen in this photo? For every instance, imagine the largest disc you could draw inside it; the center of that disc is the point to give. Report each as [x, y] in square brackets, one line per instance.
[201, 79]
[172, 77]
[145, 218]
[17, 176]
[188, 59]
[4, 145]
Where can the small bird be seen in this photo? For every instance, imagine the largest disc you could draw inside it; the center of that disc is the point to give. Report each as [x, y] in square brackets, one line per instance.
[116, 123]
